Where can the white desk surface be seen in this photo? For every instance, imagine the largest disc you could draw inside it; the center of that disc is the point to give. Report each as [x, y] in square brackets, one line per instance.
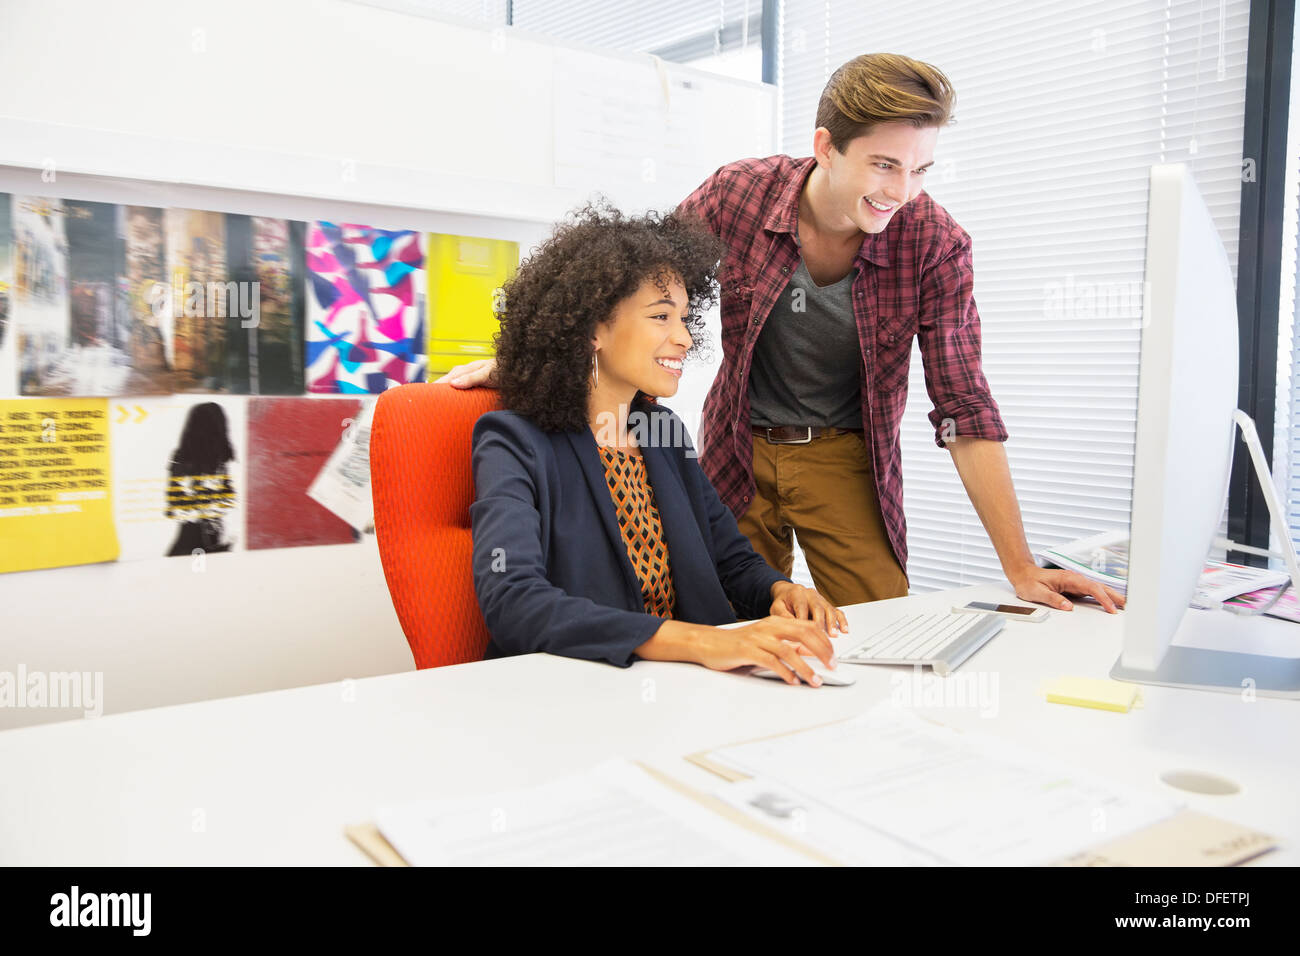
[273, 778]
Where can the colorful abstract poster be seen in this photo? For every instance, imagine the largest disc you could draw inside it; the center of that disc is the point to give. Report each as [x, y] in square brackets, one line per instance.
[465, 278]
[56, 503]
[365, 308]
[40, 288]
[290, 440]
[179, 464]
[8, 337]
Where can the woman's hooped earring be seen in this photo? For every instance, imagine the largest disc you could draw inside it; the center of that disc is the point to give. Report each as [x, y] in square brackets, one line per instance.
[595, 371]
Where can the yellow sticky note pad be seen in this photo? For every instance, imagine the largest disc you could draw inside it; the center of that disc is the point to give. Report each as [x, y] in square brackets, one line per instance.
[1091, 692]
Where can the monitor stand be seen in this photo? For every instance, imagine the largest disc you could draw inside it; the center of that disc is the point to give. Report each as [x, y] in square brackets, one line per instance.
[1230, 672]
[1206, 668]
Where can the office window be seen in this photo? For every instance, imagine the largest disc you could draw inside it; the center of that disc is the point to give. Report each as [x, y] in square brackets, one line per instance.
[1061, 110]
[479, 12]
[722, 36]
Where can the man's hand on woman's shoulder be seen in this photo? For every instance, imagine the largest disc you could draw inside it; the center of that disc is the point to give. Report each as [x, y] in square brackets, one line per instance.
[471, 375]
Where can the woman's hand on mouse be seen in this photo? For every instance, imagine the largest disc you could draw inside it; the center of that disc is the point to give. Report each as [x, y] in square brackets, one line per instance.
[776, 643]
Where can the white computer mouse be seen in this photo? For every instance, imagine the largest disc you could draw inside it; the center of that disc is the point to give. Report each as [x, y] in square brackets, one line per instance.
[830, 678]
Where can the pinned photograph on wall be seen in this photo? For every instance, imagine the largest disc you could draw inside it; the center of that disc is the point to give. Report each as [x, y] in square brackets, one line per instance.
[94, 359]
[40, 300]
[180, 464]
[289, 441]
[365, 308]
[465, 278]
[144, 279]
[233, 303]
[343, 485]
[197, 300]
[276, 345]
[55, 484]
[265, 306]
[8, 337]
[109, 343]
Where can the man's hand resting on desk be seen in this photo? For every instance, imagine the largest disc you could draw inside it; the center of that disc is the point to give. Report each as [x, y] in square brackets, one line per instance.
[1049, 586]
[471, 374]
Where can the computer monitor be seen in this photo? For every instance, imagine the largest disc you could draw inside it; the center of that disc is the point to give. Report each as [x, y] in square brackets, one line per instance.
[1186, 430]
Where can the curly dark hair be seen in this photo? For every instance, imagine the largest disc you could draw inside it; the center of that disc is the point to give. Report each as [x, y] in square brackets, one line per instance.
[594, 259]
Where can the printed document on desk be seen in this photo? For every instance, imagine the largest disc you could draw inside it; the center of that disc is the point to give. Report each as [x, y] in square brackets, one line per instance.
[615, 814]
[820, 827]
[941, 794]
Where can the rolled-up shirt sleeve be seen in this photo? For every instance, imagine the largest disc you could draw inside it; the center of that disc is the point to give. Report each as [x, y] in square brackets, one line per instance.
[949, 335]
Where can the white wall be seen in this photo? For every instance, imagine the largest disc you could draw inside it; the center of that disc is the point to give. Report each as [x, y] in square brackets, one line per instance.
[340, 100]
[220, 106]
[166, 632]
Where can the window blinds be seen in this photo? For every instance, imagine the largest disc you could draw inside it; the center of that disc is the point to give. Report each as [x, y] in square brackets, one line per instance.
[1286, 431]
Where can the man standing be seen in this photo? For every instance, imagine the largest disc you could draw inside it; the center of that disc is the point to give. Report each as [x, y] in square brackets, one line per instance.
[834, 263]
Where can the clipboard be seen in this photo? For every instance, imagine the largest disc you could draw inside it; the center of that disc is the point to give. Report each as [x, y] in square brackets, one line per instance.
[372, 843]
[1187, 838]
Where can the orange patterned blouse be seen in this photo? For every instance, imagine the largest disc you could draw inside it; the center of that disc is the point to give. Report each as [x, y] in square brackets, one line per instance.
[643, 533]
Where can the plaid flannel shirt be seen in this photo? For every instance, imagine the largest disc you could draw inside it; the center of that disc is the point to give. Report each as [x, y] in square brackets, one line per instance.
[914, 279]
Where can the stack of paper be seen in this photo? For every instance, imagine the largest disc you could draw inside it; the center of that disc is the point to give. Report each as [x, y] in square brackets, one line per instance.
[889, 787]
[1287, 606]
[1104, 558]
[613, 815]
[885, 788]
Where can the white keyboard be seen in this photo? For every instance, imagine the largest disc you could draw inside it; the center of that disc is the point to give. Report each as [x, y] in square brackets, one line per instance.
[941, 641]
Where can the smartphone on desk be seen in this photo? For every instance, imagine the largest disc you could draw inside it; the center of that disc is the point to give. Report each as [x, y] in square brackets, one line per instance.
[1012, 612]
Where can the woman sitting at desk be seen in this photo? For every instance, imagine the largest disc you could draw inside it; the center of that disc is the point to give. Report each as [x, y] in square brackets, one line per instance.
[596, 534]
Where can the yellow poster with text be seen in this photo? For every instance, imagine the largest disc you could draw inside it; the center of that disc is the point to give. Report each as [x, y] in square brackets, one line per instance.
[56, 497]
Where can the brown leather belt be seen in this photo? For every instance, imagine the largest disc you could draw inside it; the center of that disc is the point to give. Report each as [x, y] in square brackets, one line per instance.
[800, 434]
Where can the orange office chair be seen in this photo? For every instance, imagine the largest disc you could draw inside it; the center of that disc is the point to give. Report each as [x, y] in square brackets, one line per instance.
[423, 485]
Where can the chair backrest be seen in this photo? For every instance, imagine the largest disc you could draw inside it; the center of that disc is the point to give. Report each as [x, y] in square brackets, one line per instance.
[423, 485]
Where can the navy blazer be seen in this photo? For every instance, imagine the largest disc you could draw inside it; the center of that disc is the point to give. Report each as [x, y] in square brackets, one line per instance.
[551, 569]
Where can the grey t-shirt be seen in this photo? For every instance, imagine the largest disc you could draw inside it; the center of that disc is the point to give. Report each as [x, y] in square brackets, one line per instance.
[807, 367]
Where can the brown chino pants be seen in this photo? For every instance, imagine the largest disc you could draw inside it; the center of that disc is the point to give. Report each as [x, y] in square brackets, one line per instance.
[823, 492]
